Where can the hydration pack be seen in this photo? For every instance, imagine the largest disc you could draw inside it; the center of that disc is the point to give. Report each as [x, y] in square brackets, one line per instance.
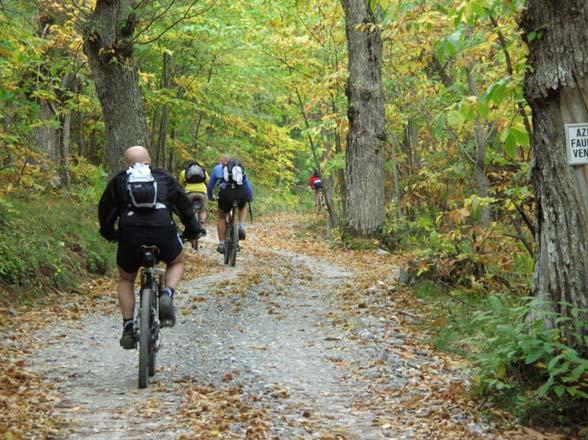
[141, 187]
[194, 173]
[234, 173]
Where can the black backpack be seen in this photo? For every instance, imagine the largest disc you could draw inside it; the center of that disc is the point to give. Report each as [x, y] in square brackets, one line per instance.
[194, 173]
[234, 173]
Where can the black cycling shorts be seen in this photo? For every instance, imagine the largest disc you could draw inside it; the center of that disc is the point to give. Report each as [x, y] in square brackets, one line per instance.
[166, 238]
[226, 196]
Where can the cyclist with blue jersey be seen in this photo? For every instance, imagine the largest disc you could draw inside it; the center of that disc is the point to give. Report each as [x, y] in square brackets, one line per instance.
[233, 185]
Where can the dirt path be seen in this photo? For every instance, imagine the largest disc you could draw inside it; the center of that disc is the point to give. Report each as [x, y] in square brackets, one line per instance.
[269, 349]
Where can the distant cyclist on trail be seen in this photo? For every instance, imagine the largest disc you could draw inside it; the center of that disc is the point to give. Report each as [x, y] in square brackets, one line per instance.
[233, 185]
[142, 199]
[194, 179]
[315, 182]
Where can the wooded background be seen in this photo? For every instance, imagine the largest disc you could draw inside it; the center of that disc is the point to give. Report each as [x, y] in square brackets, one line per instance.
[414, 112]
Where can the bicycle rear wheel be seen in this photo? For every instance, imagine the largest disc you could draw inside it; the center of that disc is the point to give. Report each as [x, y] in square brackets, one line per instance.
[228, 243]
[234, 245]
[154, 334]
[144, 337]
[198, 225]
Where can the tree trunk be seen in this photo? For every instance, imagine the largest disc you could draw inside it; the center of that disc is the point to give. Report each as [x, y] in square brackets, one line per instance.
[364, 213]
[44, 137]
[108, 45]
[556, 88]
[411, 140]
[64, 146]
[338, 149]
[162, 144]
[479, 165]
[154, 132]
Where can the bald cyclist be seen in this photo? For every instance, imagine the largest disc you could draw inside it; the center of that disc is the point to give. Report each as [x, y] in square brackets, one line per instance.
[142, 200]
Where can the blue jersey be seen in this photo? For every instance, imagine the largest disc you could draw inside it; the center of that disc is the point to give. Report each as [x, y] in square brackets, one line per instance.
[217, 176]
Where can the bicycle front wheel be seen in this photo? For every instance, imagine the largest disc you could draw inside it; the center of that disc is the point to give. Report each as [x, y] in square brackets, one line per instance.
[144, 337]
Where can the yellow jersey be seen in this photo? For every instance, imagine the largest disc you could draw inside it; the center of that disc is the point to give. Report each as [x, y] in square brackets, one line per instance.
[193, 187]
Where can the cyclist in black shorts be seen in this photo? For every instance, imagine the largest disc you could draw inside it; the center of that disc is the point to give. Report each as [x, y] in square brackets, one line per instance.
[233, 185]
[142, 199]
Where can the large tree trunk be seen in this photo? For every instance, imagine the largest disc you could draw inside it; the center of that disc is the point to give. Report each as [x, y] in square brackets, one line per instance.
[108, 45]
[556, 88]
[364, 213]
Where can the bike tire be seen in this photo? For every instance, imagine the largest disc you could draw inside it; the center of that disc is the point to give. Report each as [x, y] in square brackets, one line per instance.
[198, 224]
[234, 245]
[228, 244]
[155, 334]
[144, 337]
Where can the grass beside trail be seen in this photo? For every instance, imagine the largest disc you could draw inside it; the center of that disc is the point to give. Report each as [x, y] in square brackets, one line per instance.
[49, 245]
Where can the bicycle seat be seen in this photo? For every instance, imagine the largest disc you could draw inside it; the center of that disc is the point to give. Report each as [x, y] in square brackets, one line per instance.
[148, 255]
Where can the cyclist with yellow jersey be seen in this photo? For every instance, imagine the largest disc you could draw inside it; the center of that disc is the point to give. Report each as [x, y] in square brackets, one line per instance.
[194, 179]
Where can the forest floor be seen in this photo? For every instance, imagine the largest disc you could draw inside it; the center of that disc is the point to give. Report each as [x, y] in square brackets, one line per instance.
[299, 340]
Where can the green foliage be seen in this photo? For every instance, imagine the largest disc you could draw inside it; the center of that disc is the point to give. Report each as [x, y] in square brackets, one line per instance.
[274, 200]
[50, 244]
[89, 180]
[528, 368]
[509, 345]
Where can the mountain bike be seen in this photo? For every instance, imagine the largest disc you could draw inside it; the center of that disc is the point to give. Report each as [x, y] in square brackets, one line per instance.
[232, 235]
[148, 316]
[197, 207]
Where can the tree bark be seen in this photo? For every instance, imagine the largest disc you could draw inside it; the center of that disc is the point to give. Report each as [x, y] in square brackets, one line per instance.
[556, 88]
[338, 149]
[162, 144]
[364, 213]
[411, 140]
[108, 45]
[64, 147]
[479, 165]
[44, 137]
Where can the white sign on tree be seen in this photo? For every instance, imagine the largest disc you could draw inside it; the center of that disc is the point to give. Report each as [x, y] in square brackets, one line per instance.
[577, 143]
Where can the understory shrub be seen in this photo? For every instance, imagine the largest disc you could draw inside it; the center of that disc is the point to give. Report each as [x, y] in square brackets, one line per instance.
[50, 244]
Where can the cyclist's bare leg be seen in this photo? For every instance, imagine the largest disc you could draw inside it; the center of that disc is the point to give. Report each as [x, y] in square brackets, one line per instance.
[126, 294]
[220, 224]
[243, 214]
[174, 271]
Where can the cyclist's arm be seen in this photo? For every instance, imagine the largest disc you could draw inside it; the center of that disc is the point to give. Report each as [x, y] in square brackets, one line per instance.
[181, 204]
[108, 211]
[249, 190]
[182, 178]
[211, 184]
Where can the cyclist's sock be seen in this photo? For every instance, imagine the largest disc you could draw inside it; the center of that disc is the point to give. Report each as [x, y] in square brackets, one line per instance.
[127, 322]
[221, 242]
[169, 291]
